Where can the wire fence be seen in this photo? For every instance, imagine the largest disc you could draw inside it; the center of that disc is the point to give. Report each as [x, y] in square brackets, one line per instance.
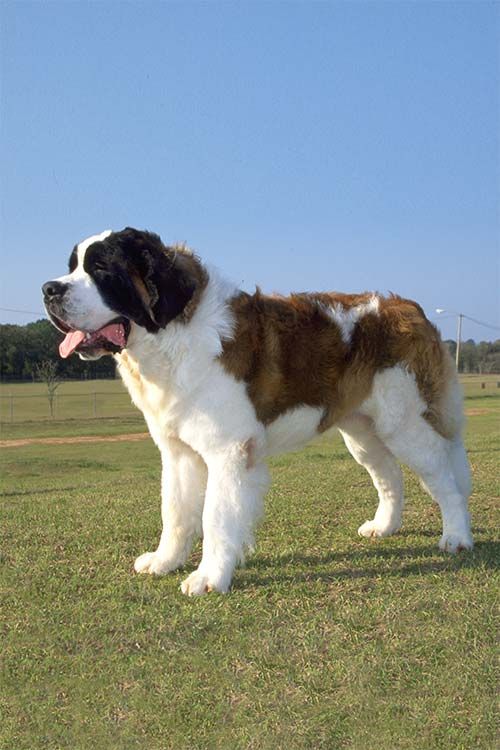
[93, 405]
[16, 408]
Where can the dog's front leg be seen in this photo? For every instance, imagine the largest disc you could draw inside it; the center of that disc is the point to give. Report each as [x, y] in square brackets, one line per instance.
[184, 479]
[233, 502]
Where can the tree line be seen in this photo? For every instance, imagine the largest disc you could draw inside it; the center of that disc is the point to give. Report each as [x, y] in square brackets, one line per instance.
[24, 349]
[482, 358]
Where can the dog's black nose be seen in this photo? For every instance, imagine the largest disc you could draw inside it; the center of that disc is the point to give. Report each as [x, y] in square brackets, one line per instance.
[53, 289]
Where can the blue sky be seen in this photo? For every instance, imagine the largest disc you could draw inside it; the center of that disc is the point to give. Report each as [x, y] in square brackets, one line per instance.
[295, 145]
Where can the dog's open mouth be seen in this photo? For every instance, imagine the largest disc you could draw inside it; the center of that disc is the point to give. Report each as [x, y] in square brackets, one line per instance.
[110, 338]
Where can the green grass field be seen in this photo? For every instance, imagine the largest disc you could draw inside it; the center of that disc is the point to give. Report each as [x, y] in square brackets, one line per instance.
[327, 640]
[74, 400]
[99, 407]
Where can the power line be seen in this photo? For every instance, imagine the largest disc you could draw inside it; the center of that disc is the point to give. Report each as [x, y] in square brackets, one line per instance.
[451, 315]
[481, 323]
[23, 312]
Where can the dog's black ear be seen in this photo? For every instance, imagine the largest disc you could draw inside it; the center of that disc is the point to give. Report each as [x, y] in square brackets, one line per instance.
[161, 276]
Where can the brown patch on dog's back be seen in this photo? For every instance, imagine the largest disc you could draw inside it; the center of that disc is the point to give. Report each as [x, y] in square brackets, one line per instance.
[290, 352]
[283, 349]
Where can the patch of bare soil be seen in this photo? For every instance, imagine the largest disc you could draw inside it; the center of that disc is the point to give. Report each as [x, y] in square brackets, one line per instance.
[133, 436]
[477, 412]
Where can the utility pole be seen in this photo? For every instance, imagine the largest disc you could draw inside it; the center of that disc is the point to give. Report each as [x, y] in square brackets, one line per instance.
[440, 310]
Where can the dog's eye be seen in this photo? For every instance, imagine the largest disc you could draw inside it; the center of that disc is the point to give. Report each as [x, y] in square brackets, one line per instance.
[100, 266]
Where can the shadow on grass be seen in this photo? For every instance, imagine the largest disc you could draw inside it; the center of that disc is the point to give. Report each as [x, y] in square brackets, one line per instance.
[397, 562]
[434, 534]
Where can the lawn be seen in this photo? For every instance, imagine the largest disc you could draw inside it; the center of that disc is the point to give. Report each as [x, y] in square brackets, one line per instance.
[74, 400]
[100, 407]
[327, 640]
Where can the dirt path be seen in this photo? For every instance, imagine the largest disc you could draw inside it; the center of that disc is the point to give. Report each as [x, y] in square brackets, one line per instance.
[133, 436]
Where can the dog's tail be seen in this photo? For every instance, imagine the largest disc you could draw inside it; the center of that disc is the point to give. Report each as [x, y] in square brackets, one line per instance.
[447, 416]
[449, 405]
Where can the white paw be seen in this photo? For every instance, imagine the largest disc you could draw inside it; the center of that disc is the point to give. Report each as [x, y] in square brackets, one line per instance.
[152, 563]
[198, 583]
[371, 528]
[454, 542]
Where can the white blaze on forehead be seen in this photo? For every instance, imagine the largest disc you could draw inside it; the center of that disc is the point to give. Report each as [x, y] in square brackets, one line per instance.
[84, 308]
[346, 318]
[82, 246]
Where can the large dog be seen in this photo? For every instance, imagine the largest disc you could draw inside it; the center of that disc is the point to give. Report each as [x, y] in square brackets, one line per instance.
[225, 379]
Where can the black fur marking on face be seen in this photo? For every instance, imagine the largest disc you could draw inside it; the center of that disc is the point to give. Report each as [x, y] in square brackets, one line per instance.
[129, 262]
[73, 259]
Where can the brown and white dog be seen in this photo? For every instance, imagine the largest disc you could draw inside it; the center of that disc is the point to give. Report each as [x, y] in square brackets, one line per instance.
[225, 379]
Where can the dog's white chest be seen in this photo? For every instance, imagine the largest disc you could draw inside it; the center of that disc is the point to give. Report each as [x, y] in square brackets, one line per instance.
[160, 405]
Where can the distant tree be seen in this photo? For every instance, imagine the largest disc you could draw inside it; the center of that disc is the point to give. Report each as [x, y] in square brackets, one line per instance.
[23, 348]
[452, 346]
[46, 371]
[481, 358]
[469, 358]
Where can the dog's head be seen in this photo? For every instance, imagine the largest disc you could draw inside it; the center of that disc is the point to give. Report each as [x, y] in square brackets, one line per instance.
[117, 279]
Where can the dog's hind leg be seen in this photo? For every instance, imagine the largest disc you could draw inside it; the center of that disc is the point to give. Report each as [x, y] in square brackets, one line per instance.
[429, 455]
[184, 480]
[369, 451]
[397, 410]
[460, 464]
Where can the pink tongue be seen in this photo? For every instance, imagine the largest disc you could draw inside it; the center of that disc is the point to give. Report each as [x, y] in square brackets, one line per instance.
[70, 342]
[114, 332]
